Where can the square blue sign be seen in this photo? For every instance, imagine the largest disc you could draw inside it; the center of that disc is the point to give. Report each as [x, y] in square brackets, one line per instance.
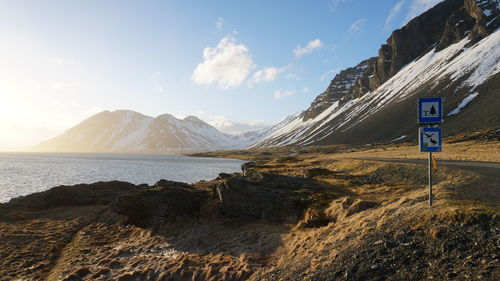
[430, 110]
[430, 139]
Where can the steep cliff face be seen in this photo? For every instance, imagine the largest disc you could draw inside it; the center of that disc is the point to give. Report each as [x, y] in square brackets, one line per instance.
[452, 50]
[403, 46]
[445, 24]
[411, 41]
[338, 89]
[475, 19]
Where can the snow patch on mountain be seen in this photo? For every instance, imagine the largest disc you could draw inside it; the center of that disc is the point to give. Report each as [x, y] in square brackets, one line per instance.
[453, 63]
[463, 104]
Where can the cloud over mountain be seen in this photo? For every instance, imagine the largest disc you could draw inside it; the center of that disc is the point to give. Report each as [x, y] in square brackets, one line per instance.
[227, 65]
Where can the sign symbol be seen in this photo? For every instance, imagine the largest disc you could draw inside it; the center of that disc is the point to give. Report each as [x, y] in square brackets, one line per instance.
[430, 139]
[434, 142]
[430, 112]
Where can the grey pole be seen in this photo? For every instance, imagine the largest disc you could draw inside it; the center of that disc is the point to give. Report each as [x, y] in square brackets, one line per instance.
[430, 179]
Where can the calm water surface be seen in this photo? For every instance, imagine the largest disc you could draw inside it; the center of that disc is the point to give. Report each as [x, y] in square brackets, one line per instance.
[25, 173]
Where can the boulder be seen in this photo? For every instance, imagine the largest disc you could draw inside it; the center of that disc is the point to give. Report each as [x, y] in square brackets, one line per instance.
[223, 176]
[264, 196]
[159, 205]
[99, 193]
[164, 182]
[246, 166]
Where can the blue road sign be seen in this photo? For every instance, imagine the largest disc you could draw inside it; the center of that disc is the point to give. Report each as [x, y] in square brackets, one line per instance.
[430, 110]
[430, 139]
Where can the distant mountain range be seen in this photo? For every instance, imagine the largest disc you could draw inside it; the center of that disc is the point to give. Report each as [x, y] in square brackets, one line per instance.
[452, 51]
[130, 131]
[125, 130]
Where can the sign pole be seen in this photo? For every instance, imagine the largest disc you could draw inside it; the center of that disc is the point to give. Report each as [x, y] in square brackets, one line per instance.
[430, 112]
[430, 179]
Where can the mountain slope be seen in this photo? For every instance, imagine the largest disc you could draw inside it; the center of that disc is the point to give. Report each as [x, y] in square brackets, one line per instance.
[125, 130]
[452, 50]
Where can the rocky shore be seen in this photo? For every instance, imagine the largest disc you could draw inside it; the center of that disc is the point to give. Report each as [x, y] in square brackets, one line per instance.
[299, 217]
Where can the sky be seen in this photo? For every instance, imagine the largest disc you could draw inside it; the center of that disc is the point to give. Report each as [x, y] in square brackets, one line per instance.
[239, 65]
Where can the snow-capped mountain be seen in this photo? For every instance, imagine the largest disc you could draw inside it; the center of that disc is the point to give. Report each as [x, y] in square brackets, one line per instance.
[125, 130]
[452, 50]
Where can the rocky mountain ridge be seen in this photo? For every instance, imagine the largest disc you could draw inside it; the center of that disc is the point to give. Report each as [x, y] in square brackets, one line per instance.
[420, 59]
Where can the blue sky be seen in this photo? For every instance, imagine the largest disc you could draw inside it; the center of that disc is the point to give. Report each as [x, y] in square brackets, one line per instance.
[236, 64]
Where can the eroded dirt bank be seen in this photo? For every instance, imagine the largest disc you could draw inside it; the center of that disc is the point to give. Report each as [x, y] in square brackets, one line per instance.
[296, 215]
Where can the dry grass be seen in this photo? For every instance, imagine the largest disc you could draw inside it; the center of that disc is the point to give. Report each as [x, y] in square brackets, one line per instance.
[378, 200]
[467, 151]
[486, 151]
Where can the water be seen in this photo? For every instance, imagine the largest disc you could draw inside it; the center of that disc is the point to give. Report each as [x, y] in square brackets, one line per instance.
[25, 173]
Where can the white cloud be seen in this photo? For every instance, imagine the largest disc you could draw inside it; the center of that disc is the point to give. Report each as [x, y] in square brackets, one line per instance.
[420, 6]
[311, 46]
[329, 73]
[219, 23]
[228, 65]
[394, 12]
[278, 94]
[305, 90]
[268, 74]
[357, 26]
[229, 127]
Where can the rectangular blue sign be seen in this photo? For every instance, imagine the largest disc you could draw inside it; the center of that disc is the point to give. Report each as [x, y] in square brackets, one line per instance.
[430, 139]
[430, 110]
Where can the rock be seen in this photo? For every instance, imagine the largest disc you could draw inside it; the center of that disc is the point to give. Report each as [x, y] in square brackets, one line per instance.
[337, 90]
[223, 176]
[246, 166]
[159, 205]
[168, 183]
[99, 193]
[254, 175]
[313, 218]
[263, 196]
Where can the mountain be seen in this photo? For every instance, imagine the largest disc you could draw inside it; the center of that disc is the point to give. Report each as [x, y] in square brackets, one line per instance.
[452, 51]
[125, 130]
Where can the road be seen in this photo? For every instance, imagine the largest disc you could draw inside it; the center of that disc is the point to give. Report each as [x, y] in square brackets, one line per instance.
[456, 163]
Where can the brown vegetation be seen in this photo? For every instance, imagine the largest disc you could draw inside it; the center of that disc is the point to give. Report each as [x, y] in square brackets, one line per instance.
[359, 220]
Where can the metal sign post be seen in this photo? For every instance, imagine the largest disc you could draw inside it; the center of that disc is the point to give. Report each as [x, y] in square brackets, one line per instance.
[430, 179]
[430, 112]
